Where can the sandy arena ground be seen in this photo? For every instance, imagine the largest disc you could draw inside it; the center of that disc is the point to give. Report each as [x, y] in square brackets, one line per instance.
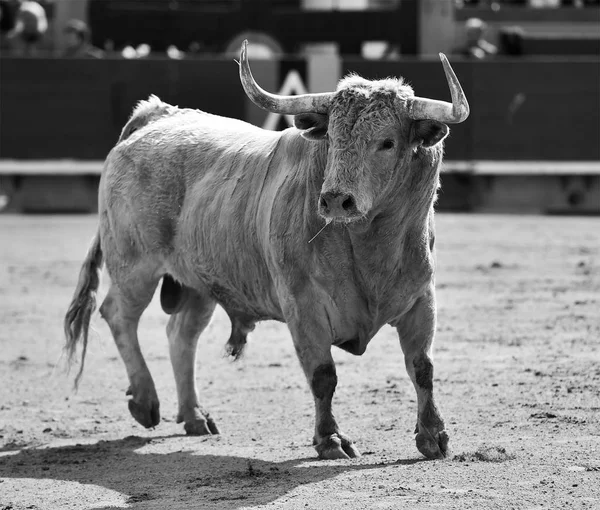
[517, 377]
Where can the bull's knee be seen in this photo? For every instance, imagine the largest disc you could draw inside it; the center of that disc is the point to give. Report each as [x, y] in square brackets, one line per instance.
[423, 372]
[108, 308]
[324, 381]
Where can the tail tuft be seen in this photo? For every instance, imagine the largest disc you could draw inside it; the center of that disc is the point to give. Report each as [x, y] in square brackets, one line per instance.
[79, 314]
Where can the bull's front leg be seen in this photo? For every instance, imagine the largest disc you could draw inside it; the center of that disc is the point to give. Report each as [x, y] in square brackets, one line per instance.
[313, 346]
[416, 330]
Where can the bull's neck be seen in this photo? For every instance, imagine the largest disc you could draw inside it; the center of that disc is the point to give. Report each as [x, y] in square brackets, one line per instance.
[396, 248]
[406, 209]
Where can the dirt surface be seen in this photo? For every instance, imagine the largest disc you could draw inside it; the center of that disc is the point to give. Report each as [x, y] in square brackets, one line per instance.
[517, 375]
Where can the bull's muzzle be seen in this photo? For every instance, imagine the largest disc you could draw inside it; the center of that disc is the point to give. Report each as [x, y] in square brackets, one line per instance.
[338, 206]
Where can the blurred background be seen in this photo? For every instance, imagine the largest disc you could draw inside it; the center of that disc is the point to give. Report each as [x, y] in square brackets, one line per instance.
[72, 70]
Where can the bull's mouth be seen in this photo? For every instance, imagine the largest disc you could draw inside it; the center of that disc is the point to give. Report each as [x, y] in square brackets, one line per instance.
[357, 224]
[345, 220]
[345, 217]
[359, 221]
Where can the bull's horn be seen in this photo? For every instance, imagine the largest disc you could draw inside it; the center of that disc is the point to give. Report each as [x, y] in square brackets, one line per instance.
[449, 113]
[289, 105]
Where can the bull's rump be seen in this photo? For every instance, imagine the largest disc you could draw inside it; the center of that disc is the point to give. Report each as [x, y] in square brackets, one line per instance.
[189, 194]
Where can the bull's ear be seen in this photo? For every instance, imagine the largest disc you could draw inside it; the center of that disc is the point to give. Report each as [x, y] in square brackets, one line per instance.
[312, 125]
[428, 132]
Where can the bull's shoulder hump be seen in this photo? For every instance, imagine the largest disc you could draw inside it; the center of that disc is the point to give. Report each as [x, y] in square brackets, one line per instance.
[200, 119]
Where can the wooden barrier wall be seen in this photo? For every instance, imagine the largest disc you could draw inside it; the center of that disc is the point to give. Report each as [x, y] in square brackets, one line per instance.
[520, 109]
[540, 117]
[58, 108]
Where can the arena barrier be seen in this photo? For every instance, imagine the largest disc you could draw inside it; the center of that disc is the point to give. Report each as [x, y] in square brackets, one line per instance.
[531, 143]
[541, 187]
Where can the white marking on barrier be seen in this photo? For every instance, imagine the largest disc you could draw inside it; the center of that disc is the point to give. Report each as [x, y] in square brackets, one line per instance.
[50, 167]
[481, 167]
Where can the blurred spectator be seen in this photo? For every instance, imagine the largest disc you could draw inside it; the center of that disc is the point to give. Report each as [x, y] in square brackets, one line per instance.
[536, 4]
[143, 50]
[511, 40]
[582, 3]
[8, 21]
[8, 15]
[195, 49]
[544, 4]
[23, 24]
[78, 41]
[174, 53]
[476, 46]
[109, 47]
[129, 52]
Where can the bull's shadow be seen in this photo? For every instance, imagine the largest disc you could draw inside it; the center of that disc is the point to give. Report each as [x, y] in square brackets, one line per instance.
[179, 479]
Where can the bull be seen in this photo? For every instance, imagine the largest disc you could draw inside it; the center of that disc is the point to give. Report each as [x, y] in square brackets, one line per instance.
[226, 213]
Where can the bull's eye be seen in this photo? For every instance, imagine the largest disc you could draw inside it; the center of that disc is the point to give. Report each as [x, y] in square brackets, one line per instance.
[387, 144]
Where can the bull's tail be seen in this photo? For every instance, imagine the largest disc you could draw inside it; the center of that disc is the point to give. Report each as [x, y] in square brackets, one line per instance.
[77, 319]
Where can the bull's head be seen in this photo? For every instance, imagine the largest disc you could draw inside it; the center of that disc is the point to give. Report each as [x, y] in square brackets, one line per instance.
[373, 128]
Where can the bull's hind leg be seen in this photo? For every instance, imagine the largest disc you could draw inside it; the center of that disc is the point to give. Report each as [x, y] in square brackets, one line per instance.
[184, 329]
[416, 330]
[313, 347]
[122, 309]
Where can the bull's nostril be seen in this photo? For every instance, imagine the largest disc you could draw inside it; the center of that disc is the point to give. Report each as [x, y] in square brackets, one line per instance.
[348, 204]
[337, 205]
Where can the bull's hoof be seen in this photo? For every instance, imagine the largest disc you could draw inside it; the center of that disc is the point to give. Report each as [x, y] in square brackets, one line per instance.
[200, 427]
[146, 414]
[433, 446]
[198, 423]
[336, 446]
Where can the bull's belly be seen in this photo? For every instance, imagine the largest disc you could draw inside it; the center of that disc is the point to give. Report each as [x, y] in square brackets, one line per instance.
[255, 305]
[241, 294]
